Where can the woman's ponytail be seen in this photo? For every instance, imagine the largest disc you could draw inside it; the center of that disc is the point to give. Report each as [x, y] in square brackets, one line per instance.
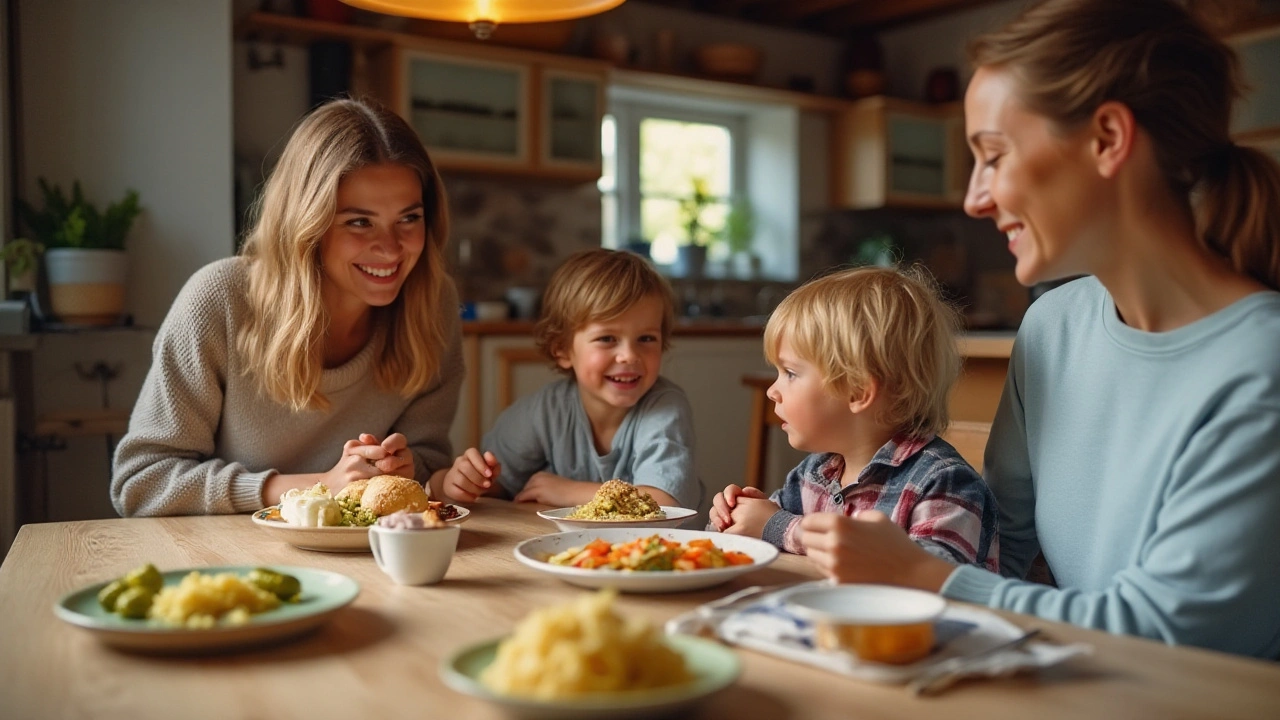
[1237, 207]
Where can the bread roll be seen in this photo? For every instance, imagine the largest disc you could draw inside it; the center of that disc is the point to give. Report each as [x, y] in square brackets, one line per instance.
[354, 489]
[386, 494]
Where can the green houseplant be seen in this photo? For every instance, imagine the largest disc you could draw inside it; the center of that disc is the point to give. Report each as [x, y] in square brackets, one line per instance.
[84, 257]
[692, 254]
[20, 256]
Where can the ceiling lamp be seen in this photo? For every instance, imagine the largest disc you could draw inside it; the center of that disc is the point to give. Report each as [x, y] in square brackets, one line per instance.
[482, 16]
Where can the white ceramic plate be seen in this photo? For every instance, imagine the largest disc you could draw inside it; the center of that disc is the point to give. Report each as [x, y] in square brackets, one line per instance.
[323, 594]
[676, 516]
[533, 552]
[713, 666]
[327, 539]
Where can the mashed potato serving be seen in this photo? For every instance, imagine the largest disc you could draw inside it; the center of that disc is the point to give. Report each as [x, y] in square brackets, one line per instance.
[201, 600]
[583, 648]
[619, 500]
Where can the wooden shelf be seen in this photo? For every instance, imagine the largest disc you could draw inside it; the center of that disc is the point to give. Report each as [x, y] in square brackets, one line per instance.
[272, 27]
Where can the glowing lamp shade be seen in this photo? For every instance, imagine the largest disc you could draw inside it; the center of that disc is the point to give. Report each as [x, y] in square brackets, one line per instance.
[483, 15]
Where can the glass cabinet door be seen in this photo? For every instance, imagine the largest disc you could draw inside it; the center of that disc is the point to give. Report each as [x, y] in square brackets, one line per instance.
[572, 109]
[1260, 108]
[468, 109]
[917, 156]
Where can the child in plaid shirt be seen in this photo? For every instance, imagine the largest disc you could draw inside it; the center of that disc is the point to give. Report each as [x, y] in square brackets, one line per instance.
[866, 359]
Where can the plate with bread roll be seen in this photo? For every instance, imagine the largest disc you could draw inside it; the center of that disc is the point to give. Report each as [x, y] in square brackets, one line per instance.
[315, 519]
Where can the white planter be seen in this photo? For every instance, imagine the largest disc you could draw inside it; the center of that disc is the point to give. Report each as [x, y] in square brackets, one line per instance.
[86, 287]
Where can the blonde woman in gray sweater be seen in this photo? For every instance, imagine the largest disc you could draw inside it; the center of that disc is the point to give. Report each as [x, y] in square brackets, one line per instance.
[328, 351]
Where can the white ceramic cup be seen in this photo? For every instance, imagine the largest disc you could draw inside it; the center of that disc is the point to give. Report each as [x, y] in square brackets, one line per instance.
[414, 557]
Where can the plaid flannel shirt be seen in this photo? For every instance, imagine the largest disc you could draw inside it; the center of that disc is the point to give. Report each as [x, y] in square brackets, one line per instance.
[921, 484]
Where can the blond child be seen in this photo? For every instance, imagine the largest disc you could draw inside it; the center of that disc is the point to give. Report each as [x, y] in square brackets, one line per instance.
[606, 320]
[866, 359]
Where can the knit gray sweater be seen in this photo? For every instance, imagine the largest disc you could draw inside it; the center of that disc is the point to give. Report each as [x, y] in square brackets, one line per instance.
[203, 438]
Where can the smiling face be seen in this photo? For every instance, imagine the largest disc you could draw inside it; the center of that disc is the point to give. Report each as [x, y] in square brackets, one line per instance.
[377, 236]
[814, 418]
[1040, 186]
[616, 361]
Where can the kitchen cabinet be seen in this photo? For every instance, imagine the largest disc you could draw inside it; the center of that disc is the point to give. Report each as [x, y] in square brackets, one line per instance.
[508, 112]
[1259, 51]
[1256, 120]
[890, 152]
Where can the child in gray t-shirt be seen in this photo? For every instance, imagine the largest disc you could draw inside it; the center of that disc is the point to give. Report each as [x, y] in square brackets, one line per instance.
[606, 320]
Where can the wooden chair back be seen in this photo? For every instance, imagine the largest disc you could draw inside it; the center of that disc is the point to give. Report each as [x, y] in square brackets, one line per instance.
[969, 439]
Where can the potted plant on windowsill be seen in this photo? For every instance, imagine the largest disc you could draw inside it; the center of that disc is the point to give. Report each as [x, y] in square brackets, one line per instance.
[84, 258]
[691, 256]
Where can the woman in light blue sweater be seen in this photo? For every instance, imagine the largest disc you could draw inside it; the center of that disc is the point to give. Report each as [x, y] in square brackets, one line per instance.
[1137, 444]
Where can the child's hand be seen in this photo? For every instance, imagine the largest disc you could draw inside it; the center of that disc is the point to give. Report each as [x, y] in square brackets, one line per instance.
[550, 489]
[749, 516]
[870, 548]
[388, 457]
[723, 503]
[471, 476]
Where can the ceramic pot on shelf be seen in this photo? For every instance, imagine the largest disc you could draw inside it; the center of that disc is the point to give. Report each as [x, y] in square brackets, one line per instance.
[86, 287]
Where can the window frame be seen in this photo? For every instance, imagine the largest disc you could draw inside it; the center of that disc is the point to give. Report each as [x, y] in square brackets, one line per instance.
[628, 114]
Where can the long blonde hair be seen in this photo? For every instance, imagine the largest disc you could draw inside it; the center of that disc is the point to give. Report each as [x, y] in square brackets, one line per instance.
[596, 285]
[876, 324]
[282, 342]
[1179, 81]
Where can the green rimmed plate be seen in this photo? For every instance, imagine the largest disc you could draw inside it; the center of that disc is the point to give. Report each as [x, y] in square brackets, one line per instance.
[323, 594]
[714, 667]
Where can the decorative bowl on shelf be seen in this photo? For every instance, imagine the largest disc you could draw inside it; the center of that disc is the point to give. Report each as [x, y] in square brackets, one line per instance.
[729, 60]
[864, 83]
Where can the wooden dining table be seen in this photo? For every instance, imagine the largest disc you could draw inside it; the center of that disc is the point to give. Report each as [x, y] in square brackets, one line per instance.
[379, 656]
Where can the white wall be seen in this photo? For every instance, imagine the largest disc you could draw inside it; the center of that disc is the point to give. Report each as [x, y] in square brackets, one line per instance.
[124, 94]
[134, 94]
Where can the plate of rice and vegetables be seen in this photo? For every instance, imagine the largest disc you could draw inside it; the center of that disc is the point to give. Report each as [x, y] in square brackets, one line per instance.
[314, 519]
[202, 609]
[644, 560]
[618, 504]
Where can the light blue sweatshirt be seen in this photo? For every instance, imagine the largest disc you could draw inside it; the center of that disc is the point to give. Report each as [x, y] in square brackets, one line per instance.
[1146, 467]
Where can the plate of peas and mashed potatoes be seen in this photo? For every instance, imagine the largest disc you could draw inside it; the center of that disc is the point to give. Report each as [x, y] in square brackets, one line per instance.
[618, 504]
[205, 609]
[315, 519]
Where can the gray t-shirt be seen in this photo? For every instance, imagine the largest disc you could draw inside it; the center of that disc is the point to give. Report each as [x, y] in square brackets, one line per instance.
[549, 431]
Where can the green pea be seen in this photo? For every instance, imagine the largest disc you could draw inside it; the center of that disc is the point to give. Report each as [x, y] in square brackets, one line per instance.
[134, 603]
[147, 577]
[109, 593]
[285, 587]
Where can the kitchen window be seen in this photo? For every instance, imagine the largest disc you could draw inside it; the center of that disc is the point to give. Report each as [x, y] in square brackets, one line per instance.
[656, 144]
[655, 160]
